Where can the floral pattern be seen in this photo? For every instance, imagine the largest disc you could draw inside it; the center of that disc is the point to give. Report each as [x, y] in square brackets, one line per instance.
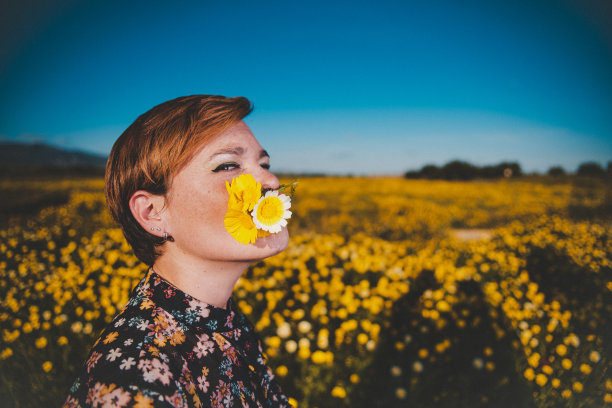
[166, 348]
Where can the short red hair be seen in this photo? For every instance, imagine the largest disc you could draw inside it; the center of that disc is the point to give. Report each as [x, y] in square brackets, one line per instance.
[154, 148]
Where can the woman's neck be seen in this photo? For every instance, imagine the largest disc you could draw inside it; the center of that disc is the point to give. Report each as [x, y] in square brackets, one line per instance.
[211, 282]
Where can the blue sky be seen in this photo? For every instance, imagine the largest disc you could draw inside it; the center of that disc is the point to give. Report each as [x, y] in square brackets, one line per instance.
[358, 87]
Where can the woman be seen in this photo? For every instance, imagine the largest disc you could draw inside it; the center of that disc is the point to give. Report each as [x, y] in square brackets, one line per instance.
[180, 340]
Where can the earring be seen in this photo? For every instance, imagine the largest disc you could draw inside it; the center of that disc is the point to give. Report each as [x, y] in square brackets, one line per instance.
[165, 236]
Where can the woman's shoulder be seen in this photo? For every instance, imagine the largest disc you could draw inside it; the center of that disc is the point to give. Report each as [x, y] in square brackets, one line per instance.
[126, 365]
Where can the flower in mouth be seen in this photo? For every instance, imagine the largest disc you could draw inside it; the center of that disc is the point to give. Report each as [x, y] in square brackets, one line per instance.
[244, 192]
[272, 212]
[241, 226]
[249, 215]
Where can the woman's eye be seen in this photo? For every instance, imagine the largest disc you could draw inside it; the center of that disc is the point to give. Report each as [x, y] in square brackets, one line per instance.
[226, 166]
[266, 166]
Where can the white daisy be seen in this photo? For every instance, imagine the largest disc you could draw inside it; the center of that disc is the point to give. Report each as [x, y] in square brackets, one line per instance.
[272, 212]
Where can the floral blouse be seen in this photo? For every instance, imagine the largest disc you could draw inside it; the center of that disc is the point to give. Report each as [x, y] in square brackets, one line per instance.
[166, 348]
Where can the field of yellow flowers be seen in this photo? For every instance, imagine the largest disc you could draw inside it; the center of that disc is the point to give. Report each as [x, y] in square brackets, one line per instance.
[376, 302]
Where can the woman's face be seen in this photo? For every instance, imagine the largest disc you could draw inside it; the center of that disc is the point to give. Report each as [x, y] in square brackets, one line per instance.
[197, 199]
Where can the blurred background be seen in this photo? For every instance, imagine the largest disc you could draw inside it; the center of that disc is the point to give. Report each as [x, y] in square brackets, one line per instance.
[451, 240]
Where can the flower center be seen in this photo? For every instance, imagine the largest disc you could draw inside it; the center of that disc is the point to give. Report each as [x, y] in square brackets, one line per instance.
[268, 210]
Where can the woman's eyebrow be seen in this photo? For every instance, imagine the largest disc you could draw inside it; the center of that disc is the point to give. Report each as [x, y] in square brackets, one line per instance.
[238, 151]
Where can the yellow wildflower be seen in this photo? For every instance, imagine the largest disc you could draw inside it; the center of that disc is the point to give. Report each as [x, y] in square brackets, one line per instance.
[566, 363]
[240, 225]
[41, 342]
[244, 192]
[338, 392]
[561, 349]
[6, 353]
[282, 370]
[541, 380]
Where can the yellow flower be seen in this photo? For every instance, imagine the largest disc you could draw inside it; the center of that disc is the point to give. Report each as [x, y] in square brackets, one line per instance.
[534, 360]
[400, 393]
[594, 356]
[284, 330]
[577, 386]
[566, 363]
[561, 349]
[338, 392]
[304, 353]
[274, 341]
[354, 378]
[240, 225]
[293, 402]
[282, 370]
[244, 192]
[585, 369]
[272, 212]
[291, 346]
[47, 366]
[396, 371]
[556, 382]
[263, 234]
[62, 340]
[41, 342]
[529, 374]
[541, 380]
[319, 357]
[76, 327]
[6, 353]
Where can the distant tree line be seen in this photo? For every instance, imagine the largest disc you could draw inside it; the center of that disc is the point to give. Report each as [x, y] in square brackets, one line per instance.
[587, 169]
[461, 170]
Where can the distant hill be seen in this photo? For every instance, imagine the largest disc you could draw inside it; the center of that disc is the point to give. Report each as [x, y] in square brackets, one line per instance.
[39, 154]
[38, 159]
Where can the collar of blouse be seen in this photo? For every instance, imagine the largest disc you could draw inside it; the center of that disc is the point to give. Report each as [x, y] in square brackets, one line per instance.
[188, 310]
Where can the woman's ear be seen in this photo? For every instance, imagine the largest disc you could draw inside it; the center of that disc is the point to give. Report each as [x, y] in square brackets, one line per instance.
[147, 210]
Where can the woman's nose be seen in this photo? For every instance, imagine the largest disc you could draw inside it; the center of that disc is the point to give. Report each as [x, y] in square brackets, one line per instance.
[267, 179]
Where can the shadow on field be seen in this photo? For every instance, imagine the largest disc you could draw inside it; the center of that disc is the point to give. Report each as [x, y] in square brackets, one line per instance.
[28, 201]
[591, 199]
[464, 358]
